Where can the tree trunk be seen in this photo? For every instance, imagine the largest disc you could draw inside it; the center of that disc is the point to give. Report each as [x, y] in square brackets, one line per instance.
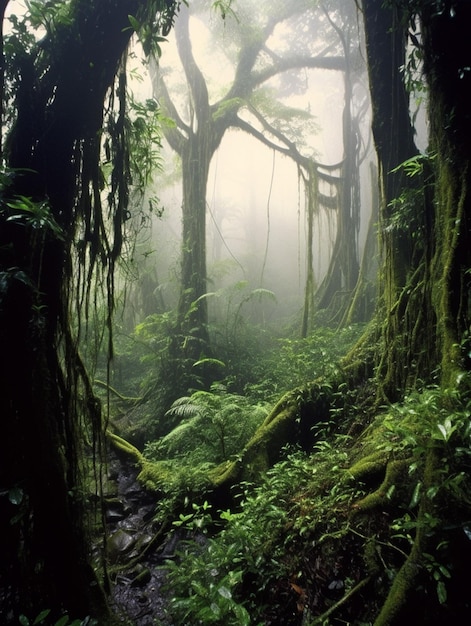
[342, 275]
[53, 149]
[447, 63]
[405, 213]
[196, 146]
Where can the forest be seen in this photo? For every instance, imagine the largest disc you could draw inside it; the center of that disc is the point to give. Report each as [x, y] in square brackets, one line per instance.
[235, 308]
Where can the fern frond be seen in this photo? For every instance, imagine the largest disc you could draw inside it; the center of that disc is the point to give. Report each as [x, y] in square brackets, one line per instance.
[183, 407]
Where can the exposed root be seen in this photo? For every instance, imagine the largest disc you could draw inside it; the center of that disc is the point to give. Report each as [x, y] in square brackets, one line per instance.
[392, 475]
[405, 580]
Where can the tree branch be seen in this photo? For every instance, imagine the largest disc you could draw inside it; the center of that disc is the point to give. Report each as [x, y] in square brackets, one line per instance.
[194, 76]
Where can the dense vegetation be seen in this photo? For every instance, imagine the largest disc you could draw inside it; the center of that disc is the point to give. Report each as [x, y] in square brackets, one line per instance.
[314, 481]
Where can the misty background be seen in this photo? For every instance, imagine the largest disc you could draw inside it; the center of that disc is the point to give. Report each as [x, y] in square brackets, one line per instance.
[256, 204]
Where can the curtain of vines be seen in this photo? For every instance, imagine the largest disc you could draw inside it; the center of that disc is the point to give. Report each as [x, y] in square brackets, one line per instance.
[61, 235]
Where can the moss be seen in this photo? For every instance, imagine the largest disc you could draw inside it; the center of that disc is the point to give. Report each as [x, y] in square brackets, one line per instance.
[280, 428]
[405, 581]
[402, 586]
[392, 477]
[124, 446]
[369, 466]
[155, 476]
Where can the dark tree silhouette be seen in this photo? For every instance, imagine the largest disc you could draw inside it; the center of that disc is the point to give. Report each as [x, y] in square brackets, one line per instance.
[53, 237]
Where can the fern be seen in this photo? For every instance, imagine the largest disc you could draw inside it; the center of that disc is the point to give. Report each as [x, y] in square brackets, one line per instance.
[184, 408]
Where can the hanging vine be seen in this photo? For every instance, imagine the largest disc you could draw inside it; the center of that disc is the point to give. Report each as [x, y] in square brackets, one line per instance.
[62, 228]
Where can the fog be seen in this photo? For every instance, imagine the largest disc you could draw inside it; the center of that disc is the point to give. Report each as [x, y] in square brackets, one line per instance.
[256, 217]
[256, 205]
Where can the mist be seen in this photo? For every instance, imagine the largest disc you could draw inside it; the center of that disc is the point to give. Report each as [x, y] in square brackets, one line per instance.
[256, 213]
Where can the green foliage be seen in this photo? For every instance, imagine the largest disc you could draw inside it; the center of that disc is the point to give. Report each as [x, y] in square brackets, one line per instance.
[261, 547]
[199, 519]
[209, 596]
[415, 165]
[405, 212]
[48, 15]
[145, 142]
[212, 426]
[250, 555]
[294, 124]
[293, 362]
[147, 36]
[42, 620]
[224, 8]
[34, 215]
[303, 526]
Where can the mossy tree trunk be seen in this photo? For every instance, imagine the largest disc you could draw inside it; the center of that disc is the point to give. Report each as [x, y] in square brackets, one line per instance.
[423, 221]
[406, 317]
[447, 63]
[50, 198]
[424, 312]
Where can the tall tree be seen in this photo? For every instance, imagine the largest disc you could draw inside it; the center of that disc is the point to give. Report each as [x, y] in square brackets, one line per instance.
[55, 232]
[447, 66]
[199, 130]
[405, 217]
[343, 272]
[424, 312]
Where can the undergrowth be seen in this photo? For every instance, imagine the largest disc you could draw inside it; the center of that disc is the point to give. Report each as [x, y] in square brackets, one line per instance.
[371, 521]
[326, 535]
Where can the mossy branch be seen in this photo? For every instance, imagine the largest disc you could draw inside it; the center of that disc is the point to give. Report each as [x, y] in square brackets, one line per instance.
[277, 430]
[153, 475]
[405, 580]
[115, 392]
[124, 446]
[392, 474]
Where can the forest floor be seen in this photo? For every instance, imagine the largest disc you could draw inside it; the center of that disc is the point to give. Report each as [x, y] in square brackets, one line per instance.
[134, 555]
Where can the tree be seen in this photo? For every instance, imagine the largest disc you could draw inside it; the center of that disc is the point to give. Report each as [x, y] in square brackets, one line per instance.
[198, 130]
[343, 272]
[398, 499]
[405, 305]
[56, 235]
[417, 288]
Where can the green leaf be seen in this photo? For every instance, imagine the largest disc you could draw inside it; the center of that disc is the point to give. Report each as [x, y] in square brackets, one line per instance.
[443, 431]
[42, 616]
[215, 609]
[243, 617]
[134, 23]
[225, 592]
[209, 361]
[24, 621]
[441, 592]
[416, 495]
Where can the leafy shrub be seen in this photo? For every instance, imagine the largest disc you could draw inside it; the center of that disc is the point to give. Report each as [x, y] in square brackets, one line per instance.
[258, 557]
[293, 362]
[302, 534]
[213, 426]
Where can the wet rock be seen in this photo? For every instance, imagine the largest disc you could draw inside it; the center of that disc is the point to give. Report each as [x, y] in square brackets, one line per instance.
[116, 510]
[137, 579]
[119, 544]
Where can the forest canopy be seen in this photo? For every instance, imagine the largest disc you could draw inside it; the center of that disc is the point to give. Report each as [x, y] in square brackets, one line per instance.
[234, 312]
